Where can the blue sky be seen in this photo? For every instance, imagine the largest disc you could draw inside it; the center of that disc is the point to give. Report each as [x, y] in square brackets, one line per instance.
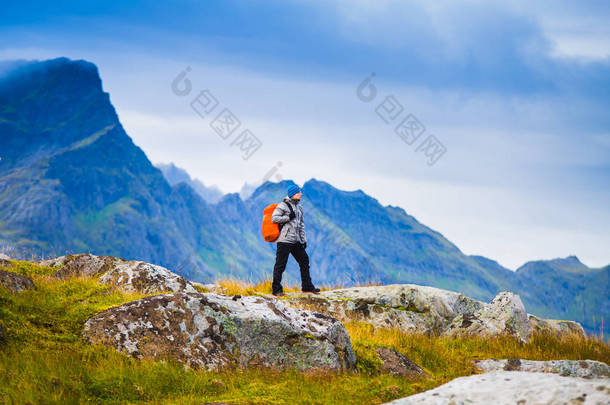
[518, 93]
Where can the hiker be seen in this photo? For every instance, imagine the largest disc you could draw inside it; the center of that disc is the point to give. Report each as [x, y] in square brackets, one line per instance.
[291, 240]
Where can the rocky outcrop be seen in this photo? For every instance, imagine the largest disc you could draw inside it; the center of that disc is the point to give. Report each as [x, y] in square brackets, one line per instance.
[555, 327]
[132, 275]
[396, 363]
[15, 282]
[412, 308]
[421, 309]
[80, 265]
[514, 387]
[505, 314]
[210, 331]
[566, 368]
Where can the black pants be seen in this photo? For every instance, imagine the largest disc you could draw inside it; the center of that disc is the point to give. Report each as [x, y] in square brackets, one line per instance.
[281, 258]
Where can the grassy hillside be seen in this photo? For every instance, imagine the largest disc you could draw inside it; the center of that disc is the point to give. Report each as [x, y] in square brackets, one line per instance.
[44, 360]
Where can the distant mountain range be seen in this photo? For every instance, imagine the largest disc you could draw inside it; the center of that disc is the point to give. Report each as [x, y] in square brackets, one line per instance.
[71, 180]
[175, 175]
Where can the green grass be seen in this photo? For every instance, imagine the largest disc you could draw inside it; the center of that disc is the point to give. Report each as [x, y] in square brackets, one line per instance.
[89, 220]
[44, 360]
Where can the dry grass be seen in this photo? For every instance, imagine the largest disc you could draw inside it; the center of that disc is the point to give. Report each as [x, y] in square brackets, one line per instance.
[448, 357]
[235, 286]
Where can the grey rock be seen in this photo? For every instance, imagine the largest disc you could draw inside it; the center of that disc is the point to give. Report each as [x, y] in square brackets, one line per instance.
[566, 368]
[556, 327]
[15, 282]
[214, 332]
[409, 307]
[505, 314]
[514, 387]
[422, 309]
[80, 265]
[396, 363]
[132, 275]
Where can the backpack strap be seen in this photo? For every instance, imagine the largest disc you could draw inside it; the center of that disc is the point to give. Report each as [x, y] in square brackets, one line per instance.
[280, 226]
[290, 207]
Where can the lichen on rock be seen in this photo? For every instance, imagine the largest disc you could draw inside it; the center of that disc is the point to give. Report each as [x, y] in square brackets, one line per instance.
[422, 309]
[505, 314]
[210, 331]
[514, 387]
[409, 307]
[556, 327]
[566, 368]
[15, 282]
[128, 275]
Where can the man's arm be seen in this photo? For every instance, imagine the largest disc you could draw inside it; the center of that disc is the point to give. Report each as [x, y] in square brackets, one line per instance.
[302, 228]
[280, 215]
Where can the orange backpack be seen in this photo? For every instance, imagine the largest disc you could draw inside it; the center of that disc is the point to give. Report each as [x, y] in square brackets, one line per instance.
[271, 230]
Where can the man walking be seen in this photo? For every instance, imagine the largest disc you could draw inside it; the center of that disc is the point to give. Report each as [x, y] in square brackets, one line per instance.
[289, 216]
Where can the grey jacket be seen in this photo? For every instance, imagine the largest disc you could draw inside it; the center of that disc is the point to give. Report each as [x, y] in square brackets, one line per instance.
[293, 231]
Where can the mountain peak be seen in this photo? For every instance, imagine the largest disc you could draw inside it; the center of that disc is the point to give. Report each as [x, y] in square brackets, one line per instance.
[230, 198]
[573, 260]
[271, 187]
[175, 175]
[569, 264]
[52, 72]
[322, 186]
[57, 103]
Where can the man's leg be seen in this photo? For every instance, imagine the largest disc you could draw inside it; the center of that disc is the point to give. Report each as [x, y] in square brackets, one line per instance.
[299, 253]
[281, 258]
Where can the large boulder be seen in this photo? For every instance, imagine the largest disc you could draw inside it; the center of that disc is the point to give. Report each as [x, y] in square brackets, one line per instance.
[128, 275]
[409, 307]
[505, 314]
[514, 387]
[566, 368]
[398, 364]
[211, 331]
[422, 309]
[80, 265]
[556, 327]
[15, 282]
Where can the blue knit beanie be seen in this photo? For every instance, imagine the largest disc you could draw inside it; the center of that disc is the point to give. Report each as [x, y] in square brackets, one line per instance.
[293, 189]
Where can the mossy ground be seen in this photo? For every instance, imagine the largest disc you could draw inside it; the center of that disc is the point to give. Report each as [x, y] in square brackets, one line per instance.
[43, 359]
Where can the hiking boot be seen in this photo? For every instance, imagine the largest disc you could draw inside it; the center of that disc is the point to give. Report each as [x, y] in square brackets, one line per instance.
[279, 294]
[311, 290]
